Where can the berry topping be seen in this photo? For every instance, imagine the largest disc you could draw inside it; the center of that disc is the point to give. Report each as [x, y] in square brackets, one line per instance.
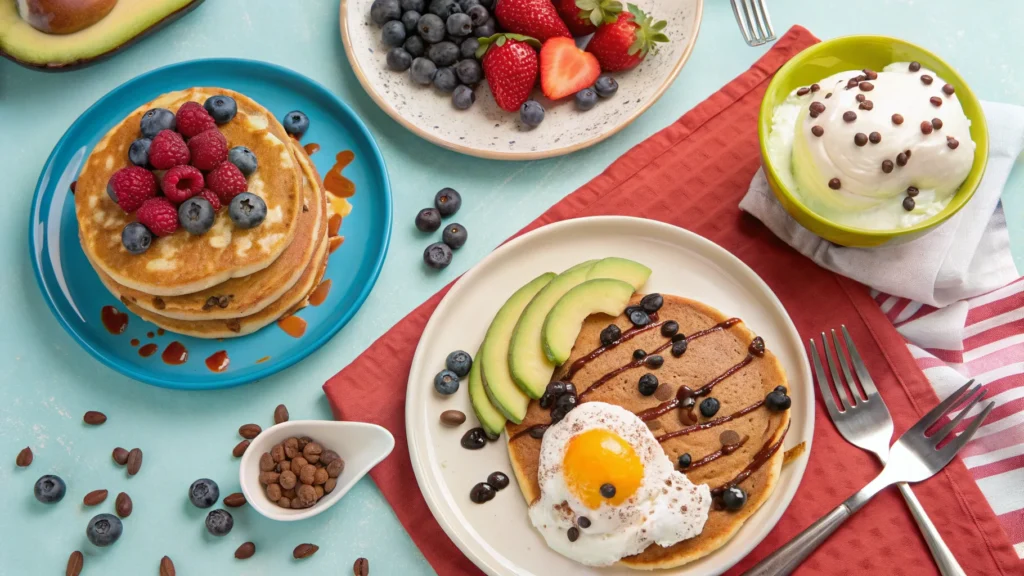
[648, 384]
[212, 198]
[136, 238]
[243, 158]
[196, 215]
[638, 316]
[226, 181]
[651, 303]
[130, 187]
[670, 328]
[778, 401]
[447, 201]
[221, 108]
[181, 183]
[610, 334]
[606, 86]
[193, 119]
[685, 460]
[155, 120]
[208, 149]
[709, 407]
[159, 215]
[296, 123]
[247, 210]
[531, 113]
[586, 99]
[499, 480]
[168, 150]
[138, 152]
[734, 498]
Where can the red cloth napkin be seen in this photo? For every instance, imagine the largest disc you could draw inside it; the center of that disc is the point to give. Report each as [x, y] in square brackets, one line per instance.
[693, 174]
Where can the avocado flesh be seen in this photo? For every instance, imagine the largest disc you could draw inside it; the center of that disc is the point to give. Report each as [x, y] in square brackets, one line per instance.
[626, 270]
[491, 419]
[493, 355]
[128, 20]
[563, 323]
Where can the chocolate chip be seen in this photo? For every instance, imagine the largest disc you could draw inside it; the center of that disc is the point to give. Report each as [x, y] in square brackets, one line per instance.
[887, 166]
[926, 127]
[851, 83]
[849, 116]
[729, 437]
[817, 107]
[907, 152]
[860, 97]
[803, 91]
[897, 119]
[908, 203]
[901, 159]
[871, 74]
[926, 79]
[936, 101]
[860, 138]
[915, 66]
[936, 123]
[817, 130]
[948, 89]
[952, 142]
[867, 86]
[912, 191]
[834, 184]
[829, 95]
[874, 137]
[815, 87]
[867, 105]
[861, 77]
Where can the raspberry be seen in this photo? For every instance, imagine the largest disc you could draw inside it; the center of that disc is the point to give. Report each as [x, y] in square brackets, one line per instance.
[226, 181]
[168, 150]
[212, 198]
[131, 186]
[193, 119]
[181, 183]
[208, 149]
[159, 215]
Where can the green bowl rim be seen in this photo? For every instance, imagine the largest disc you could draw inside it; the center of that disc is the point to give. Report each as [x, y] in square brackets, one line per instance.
[963, 89]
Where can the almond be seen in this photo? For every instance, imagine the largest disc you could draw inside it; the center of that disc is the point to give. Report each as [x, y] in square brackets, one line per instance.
[234, 500]
[24, 457]
[166, 567]
[280, 414]
[361, 567]
[123, 505]
[75, 563]
[120, 456]
[305, 550]
[245, 551]
[95, 497]
[249, 431]
[134, 461]
[240, 448]
[94, 418]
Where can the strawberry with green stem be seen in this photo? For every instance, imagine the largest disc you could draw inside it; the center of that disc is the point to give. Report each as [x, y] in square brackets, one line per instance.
[511, 66]
[584, 16]
[625, 43]
[534, 18]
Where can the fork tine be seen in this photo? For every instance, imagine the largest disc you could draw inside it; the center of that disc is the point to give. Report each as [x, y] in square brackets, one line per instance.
[840, 389]
[933, 416]
[846, 369]
[945, 430]
[950, 450]
[767, 19]
[858, 364]
[819, 373]
[758, 8]
[740, 19]
[754, 32]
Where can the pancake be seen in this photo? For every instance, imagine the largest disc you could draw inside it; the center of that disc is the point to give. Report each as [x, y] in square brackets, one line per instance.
[182, 263]
[706, 358]
[249, 294]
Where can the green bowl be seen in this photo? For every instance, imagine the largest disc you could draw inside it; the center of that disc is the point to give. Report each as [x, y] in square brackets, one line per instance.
[855, 53]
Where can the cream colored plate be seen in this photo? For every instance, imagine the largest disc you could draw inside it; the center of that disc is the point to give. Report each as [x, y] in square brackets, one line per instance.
[498, 536]
[488, 131]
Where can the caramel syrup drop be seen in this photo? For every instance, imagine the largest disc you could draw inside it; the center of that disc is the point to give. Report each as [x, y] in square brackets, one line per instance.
[311, 148]
[218, 361]
[293, 326]
[334, 182]
[175, 353]
[114, 320]
[148, 350]
[319, 294]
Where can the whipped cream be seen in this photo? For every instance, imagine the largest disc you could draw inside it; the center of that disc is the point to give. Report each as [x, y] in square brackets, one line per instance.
[876, 151]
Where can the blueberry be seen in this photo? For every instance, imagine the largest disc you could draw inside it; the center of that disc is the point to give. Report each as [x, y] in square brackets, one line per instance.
[648, 384]
[445, 80]
[454, 235]
[499, 480]
[413, 5]
[639, 354]
[670, 328]
[447, 201]
[481, 493]
[586, 99]
[444, 8]
[244, 159]
[438, 255]
[531, 113]
[423, 71]
[546, 400]
[446, 382]
[651, 303]
[780, 389]
[679, 348]
[155, 120]
[489, 4]
[410, 19]
[136, 238]
[138, 152]
[608, 490]
[685, 460]
[393, 33]
[556, 389]
[478, 14]
[610, 334]
[566, 402]
[637, 316]
[222, 108]
[459, 24]
[50, 489]
[459, 362]
[557, 414]
[654, 361]
[381, 11]
[296, 123]
[219, 522]
[467, 4]
[247, 210]
[204, 493]
[778, 401]
[414, 46]
[468, 48]
[431, 28]
[487, 29]
[606, 86]
[463, 97]
[443, 53]
[570, 389]
[104, 529]
[469, 71]
[399, 59]
[428, 220]
[196, 215]
[709, 407]
[734, 498]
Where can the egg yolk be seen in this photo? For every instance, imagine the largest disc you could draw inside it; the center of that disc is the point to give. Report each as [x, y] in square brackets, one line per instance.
[598, 457]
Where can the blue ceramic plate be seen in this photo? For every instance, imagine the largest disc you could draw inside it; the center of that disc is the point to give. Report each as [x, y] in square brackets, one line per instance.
[74, 292]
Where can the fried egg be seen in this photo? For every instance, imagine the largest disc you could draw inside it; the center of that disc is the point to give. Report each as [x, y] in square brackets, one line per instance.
[608, 490]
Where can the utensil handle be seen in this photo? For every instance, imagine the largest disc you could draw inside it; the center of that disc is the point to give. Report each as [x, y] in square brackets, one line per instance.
[786, 559]
[944, 559]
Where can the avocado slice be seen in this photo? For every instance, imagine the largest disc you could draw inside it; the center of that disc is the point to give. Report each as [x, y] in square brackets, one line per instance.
[492, 420]
[626, 270]
[530, 368]
[562, 325]
[125, 23]
[493, 355]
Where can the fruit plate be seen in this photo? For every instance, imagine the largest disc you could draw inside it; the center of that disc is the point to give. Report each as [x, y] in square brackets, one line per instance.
[488, 131]
[76, 297]
[497, 535]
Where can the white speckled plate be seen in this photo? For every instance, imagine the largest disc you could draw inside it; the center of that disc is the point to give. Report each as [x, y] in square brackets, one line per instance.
[488, 131]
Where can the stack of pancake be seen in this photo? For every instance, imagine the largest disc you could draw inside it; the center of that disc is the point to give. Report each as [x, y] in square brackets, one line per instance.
[229, 281]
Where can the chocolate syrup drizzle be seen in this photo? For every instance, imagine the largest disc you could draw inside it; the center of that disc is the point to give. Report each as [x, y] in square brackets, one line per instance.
[723, 451]
[710, 423]
[763, 455]
[629, 334]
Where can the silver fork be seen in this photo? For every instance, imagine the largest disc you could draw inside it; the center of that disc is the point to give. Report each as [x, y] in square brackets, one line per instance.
[914, 457]
[755, 24]
[865, 422]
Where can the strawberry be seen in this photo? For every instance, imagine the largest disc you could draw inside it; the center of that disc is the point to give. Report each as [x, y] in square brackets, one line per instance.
[534, 18]
[565, 69]
[510, 65]
[625, 43]
[584, 16]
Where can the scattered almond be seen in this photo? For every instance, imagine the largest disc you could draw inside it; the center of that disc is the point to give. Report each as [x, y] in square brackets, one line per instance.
[24, 457]
[166, 567]
[120, 456]
[123, 505]
[249, 431]
[95, 497]
[280, 414]
[245, 551]
[134, 461]
[75, 563]
[240, 448]
[361, 567]
[234, 500]
[305, 550]
[453, 418]
[94, 418]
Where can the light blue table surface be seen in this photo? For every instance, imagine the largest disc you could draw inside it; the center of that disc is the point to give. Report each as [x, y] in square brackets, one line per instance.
[47, 382]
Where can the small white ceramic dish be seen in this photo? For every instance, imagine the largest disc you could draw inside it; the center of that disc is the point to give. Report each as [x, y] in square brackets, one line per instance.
[497, 536]
[362, 446]
[488, 131]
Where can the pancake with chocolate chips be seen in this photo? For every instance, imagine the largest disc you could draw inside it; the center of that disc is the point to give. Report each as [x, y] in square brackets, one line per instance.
[737, 445]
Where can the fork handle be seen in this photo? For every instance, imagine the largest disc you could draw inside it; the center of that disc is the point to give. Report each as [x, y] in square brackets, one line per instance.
[786, 559]
[944, 559]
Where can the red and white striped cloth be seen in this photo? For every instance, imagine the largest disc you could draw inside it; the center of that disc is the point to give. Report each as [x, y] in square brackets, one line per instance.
[980, 338]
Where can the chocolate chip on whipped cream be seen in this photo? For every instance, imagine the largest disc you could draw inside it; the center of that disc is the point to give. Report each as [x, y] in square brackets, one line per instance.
[835, 184]
[817, 131]
[861, 97]
[936, 101]
[815, 87]
[948, 89]
[897, 119]
[887, 166]
[860, 138]
[875, 137]
[849, 116]
[901, 159]
[914, 66]
[867, 105]
[936, 123]
[803, 91]
[926, 79]
[908, 203]
[867, 86]
[926, 127]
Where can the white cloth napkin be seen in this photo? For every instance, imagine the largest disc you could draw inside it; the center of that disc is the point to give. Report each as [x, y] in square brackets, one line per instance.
[967, 255]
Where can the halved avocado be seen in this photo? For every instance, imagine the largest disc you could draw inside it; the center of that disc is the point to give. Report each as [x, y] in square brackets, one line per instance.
[492, 420]
[124, 24]
[493, 355]
[562, 326]
[626, 270]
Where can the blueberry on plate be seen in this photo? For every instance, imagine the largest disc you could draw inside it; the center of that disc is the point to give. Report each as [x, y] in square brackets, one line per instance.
[454, 235]
[399, 59]
[136, 238]
[296, 123]
[459, 24]
[138, 152]
[459, 362]
[50, 489]
[487, 29]
[531, 113]
[392, 33]
[410, 19]
[648, 384]
[247, 210]
[463, 97]
[447, 201]
[413, 5]
[467, 4]
[155, 120]
[422, 71]
[734, 498]
[443, 53]
[468, 48]
[414, 46]
[438, 255]
[566, 402]
[431, 28]
[606, 86]
[610, 334]
[586, 99]
[222, 108]
[104, 529]
[709, 407]
[446, 382]
[219, 522]
[428, 220]
[244, 159]
[469, 71]
[478, 14]
[651, 303]
[204, 493]
[444, 8]
[445, 80]
[499, 480]
[196, 215]
[381, 11]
